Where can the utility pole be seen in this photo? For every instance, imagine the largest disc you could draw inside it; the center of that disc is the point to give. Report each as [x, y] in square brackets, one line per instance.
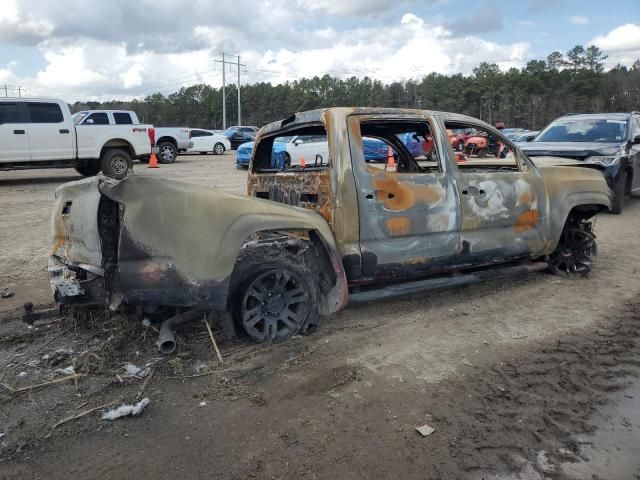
[239, 121]
[19, 93]
[224, 63]
[224, 96]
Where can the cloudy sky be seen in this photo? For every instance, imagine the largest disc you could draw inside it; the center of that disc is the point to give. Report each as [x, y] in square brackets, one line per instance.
[82, 49]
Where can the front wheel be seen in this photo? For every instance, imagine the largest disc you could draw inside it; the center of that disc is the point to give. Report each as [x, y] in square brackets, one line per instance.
[168, 152]
[576, 251]
[218, 149]
[115, 163]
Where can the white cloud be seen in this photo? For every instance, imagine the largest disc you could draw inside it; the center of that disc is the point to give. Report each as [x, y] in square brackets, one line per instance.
[579, 20]
[622, 44]
[347, 7]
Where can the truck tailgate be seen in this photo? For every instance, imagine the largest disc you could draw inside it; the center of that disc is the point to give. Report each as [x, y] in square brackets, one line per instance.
[74, 224]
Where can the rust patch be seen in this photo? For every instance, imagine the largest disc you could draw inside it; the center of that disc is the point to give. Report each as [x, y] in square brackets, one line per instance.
[397, 226]
[527, 198]
[526, 221]
[398, 196]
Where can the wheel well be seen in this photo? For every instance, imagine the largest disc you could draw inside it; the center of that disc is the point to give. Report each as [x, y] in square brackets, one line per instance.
[120, 144]
[305, 244]
[167, 139]
[584, 212]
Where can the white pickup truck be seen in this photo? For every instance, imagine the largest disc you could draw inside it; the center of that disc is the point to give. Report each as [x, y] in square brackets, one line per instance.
[170, 141]
[40, 133]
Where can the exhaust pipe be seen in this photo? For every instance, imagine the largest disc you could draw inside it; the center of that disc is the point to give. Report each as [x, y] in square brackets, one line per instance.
[167, 337]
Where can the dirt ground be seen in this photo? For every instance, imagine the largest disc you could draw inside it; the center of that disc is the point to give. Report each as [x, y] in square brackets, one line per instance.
[528, 378]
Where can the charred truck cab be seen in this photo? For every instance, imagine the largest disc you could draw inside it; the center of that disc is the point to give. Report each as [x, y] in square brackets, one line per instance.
[326, 226]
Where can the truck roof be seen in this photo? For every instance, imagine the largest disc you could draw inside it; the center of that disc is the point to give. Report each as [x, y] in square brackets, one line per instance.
[315, 116]
[31, 99]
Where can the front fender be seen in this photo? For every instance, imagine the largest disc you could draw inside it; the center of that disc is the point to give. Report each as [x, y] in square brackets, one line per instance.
[569, 188]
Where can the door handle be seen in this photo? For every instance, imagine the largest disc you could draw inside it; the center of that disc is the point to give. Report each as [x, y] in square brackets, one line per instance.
[64, 130]
[19, 132]
[475, 191]
[369, 196]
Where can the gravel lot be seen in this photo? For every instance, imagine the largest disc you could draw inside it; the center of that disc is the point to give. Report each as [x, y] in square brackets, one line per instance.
[523, 378]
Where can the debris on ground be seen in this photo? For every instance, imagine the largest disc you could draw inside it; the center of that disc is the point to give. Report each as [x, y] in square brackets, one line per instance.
[467, 362]
[6, 293]
[126, 410]
[132, 370]
[425, 430]
[65, 371]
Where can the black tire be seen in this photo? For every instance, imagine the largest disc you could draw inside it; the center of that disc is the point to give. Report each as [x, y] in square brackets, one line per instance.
[90, 169]
[218, 149]
[576, 250]
[273, 295]
[619, 192]
[115, 163]
[167, 152]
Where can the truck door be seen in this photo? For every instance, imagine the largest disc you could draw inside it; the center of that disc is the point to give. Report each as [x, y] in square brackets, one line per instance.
[502, 197]
[13, 133]
[408, 205]
[50, 137]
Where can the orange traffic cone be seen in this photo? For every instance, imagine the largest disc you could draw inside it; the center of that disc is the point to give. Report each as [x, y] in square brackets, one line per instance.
[153, 161]
[302, 163]
[391, 161]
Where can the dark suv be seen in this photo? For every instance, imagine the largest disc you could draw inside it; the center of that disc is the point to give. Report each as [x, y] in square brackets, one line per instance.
[607, 141]
[238, 135]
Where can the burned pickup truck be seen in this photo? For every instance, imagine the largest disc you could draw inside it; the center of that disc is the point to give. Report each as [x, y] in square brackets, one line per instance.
[327, 228]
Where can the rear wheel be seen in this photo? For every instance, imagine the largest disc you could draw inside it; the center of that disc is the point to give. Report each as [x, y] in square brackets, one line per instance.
[218, 149]
[168, 152]
[576, 251]
[89, 170]
[274, 297]
[619, 192]
[115, 163]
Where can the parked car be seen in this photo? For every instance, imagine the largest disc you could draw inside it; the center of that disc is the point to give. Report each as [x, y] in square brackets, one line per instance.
[208, 141]
[609, 142]
[41, 133]
[290, 150]
[526, 136]
[239, 135]
[512, 133]
[309, 240]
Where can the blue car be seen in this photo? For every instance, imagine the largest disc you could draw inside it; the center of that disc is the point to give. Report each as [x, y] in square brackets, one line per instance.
[278, 155]
[374, 151]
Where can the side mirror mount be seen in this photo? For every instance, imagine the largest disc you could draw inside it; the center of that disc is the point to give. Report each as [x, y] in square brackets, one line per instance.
[297, 142]
[636, 140]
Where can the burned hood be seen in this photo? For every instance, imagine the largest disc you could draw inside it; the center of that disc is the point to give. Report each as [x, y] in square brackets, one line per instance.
[577, 150]
[197, 230]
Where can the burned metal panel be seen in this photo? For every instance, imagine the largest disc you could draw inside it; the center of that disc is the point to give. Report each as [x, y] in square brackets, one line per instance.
[74, 223]
[179, 242]
[310, 190]
[570, 187]
[407, 221]
[502, 210]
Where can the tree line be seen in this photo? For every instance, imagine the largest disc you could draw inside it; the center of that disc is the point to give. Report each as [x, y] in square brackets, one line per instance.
[528, 97]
